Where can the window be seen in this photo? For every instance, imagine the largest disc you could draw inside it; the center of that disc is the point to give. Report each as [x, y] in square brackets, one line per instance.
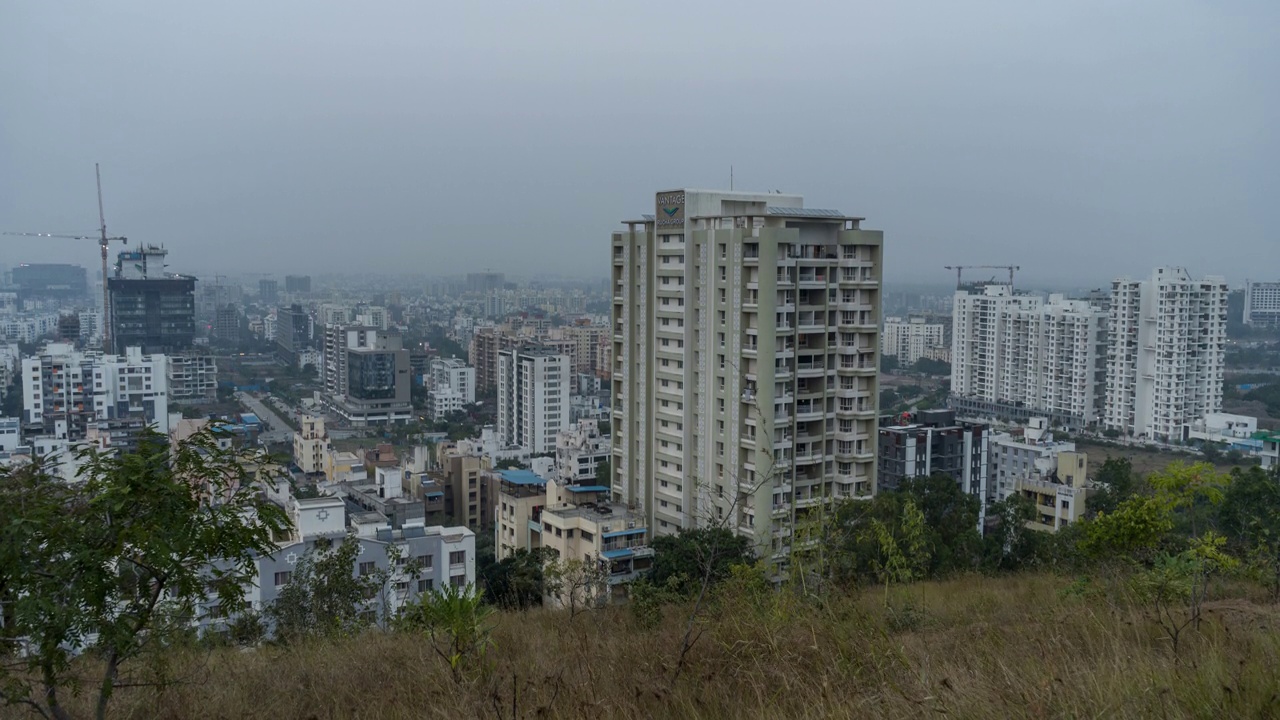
[282, 578]
[425, 561]
[367, 568]
[458, 581]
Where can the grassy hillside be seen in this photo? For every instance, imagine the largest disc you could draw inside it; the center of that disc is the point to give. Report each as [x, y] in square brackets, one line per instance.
[1021, 646]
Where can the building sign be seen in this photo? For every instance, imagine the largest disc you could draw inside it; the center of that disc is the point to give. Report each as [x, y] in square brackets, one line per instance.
[670, 211]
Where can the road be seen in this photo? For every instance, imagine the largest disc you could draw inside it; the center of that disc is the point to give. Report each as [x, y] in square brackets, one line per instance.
[278, 430]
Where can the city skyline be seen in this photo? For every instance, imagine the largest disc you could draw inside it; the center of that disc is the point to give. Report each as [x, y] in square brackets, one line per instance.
[1043, 137]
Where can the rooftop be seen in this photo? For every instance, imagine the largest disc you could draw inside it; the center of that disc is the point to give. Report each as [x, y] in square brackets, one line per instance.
[521, 477]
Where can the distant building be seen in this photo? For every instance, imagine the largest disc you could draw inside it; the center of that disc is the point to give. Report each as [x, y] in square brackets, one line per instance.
[533, 398]
[1167, 354]
[485, 282]
[366, 375]
[452, 386]
[150, 308]
[193, 377]
[1262, 304]
[66, 392]
[580, 451]
[297, 283]
[268, 291]
[226, 323]
[50, 280]
[909, 339]
[1032, 454]
[462, 474]
[1015, 357]
[932, 442]
[294, 332]
[311, 445]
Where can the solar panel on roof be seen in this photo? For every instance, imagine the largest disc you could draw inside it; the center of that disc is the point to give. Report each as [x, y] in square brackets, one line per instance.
[805, 212]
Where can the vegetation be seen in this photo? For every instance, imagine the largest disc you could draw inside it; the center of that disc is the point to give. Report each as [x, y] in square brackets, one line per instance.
[120, 564]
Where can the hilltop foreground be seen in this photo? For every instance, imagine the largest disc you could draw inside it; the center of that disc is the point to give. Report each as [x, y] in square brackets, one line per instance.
[1019, 646]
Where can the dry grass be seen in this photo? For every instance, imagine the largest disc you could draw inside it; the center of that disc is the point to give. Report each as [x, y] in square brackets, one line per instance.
[988, 648]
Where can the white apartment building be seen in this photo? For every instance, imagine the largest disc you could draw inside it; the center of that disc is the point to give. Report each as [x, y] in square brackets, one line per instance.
[1030, 456]
[1016, 356]
[533, 398]
[1167, 353]
[65, 391]
[311, 445]
[453, 385]
[579, 452]
[1262, 304]
[909, 339]
[745, 354]
[192, 377]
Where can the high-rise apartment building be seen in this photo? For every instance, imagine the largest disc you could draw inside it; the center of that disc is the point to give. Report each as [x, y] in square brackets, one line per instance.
[1262, 304]
[268, 291]
[745, 353]
[294, 332]
[50, 280]
[1015, 356]
[66, 393]
[366, 375]
[908, 339]
[485, 345]
[297, 283]
[533, 398]
[1167, 353]
[192, 377]
[150, 309]
[453, 386]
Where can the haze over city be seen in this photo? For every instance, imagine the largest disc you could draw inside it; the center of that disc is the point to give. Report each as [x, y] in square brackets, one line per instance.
[441, 138]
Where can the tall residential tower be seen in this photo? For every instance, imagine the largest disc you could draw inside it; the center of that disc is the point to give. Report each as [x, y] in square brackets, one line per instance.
[745, 352]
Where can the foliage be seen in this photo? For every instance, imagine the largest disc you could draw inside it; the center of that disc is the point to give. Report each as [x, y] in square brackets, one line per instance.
[456, 622]
[1135, 528]
[1116, 483]
[927, 366]
[576, 584]
[508, 464]
[604, 473]
[1010, 544]
[888, 364]
[1250, 519]
[325, 596]
[163, 535]
[1176, 586]
[903, 554]
[516, 582]
[682, 561]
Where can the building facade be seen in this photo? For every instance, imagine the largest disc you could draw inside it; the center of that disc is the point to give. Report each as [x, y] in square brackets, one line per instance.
[193, 377]
[745, 353]
[452, 386]
[66, 393]
[580, 452]
[933, 442]
[150, 308]
[909, 340]
[533, 398]
[1262, 304]
[366, 375]
[1167, 354]
[311, 445]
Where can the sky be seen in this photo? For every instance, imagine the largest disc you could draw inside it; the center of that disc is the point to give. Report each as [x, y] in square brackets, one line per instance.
[1080, 139]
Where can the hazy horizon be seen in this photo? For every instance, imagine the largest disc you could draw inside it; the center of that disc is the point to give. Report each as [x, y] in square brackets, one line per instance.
[1082, 141]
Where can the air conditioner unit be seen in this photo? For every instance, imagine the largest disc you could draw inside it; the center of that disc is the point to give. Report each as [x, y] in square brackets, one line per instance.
[604, 528]
[631, 525]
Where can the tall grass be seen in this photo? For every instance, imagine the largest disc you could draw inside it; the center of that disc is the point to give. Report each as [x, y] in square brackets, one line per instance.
[1022, 646]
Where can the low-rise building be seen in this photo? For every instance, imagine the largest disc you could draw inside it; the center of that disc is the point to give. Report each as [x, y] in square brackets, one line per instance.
[521, 496]
[579, 452]
[1060, 497]
[1032, 453]
[1270, 453]
[579, 522]
[469, 488]
[1234, 431]
[931, 442]
[192, 377]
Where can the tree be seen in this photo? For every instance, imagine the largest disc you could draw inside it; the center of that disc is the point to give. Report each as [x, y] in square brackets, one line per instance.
[455, 621]
[577, 584]
[927, 366]
[604, 472]
[888, 363]
[1250, 519]
[682, 560]
[325, 597]
[148, 542]
[1116, 483]
[903, 554]
[1011, 545]
[516, 581]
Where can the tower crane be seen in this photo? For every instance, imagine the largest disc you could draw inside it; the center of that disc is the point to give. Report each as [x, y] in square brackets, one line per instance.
[961, 268]
[104, 243]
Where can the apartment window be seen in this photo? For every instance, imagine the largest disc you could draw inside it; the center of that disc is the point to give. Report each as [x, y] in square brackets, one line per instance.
[426, 585]
[458, 581]
[282, 578]
[367, 568]
[458, 557]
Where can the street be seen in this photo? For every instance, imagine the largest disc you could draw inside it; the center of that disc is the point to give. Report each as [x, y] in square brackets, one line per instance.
[275, 429]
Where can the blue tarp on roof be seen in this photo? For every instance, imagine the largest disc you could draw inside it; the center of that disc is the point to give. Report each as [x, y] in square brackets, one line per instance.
[521, 477]
[617, 554]
[435, 494]
[620, 533]
[587, 488]
[250, 419]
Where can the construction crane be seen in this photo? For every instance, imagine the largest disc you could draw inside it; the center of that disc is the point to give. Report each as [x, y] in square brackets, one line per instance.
[104, 243]
[961, 268]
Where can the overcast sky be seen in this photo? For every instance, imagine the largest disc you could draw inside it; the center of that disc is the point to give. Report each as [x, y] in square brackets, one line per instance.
[1081, 139]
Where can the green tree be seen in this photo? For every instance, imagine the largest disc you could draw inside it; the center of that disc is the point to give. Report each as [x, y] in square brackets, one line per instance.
[682, 561]
[903, 554]
[888, 363]
[148, 542]
[578, 584]
[1116, 483]
[325, 596]
[1011, 545]
[604, 473]
[455, 621]
[1250, 518]
[516, 582]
